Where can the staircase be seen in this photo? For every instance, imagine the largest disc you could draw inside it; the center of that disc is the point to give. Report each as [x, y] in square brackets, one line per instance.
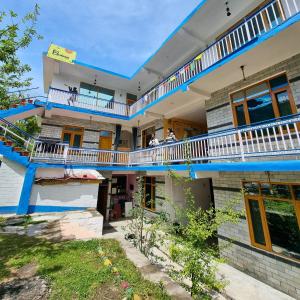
[15, 143]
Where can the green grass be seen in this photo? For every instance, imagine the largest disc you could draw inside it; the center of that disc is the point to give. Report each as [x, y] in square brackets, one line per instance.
[74, 269]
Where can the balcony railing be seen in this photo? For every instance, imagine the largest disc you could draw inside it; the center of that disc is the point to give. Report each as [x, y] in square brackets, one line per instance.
[278, 137]
[270, 16]
[87, 102]
[261, 22]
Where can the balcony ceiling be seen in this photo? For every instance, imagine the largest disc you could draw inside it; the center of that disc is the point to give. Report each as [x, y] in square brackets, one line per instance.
[198, 30]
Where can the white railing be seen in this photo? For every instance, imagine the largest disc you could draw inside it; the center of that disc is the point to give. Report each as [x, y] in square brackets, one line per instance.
[17, 136]
[274, 138]
[61, 152]
[87, 102]
[270, 16]
[261, 22]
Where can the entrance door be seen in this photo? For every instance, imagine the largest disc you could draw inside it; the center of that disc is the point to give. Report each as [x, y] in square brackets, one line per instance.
[105, 140]
[102, 198]
[73, 136]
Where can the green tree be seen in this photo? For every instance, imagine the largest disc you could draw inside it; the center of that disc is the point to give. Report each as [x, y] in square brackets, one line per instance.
[193, 246]
[15, 34]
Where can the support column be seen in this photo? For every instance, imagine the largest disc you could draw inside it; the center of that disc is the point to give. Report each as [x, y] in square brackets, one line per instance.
[26, 190]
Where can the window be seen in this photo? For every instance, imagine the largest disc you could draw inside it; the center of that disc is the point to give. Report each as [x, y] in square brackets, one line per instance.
[96, 92]
[131, 98]
[73, 136]
[149, 192]
[273, 213]
[264, 101]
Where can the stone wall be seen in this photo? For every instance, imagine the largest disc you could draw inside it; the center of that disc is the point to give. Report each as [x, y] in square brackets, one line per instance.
[280, 272]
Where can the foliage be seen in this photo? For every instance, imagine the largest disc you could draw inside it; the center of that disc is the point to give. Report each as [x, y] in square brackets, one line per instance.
[143, 230]
[74, 269]
[15, 34]
[29, 125]
[193, 246]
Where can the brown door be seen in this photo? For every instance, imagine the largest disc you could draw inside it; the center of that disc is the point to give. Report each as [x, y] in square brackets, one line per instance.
[105, 140]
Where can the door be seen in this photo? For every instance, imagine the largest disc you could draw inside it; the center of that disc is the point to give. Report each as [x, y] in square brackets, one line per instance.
[105, 140]
[102, 198]
[73, 136]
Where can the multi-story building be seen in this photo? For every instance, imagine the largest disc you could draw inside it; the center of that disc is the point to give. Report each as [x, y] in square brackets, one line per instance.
[228, 84]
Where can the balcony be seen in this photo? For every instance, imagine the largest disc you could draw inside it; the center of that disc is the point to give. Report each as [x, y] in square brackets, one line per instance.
[87, 102]
[263, 21]
[278, 138]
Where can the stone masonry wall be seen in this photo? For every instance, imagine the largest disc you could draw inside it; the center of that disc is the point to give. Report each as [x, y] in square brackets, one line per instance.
[280, 272]
[218, 108]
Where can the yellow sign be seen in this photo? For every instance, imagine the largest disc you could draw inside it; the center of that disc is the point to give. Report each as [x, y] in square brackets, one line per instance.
[61, 54]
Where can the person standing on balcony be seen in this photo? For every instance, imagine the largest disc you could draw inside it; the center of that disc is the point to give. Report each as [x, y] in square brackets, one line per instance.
[171, 138]
[74, 92]
[153, 143]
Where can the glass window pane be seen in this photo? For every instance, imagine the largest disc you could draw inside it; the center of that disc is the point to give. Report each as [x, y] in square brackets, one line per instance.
[256, 222]
[278, 82]
[283, 227]
[281, 191]
[284, 105]
[251, 188]
[240, 115]
[77, 140]
[106, 94]
[296, 189]
[67, 138]
[260, 109]
[257, 90]
[265, 189]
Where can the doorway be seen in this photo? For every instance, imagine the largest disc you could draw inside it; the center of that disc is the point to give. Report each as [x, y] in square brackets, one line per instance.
[102, 198]
[146, 136]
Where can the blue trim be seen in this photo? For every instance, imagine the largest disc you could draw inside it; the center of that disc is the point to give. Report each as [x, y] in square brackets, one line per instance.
[46, 208]
[250, 45]
[255, 166]
[8, 209]
[194, 11]
[26, 190]
[183, 87]
[18, 110]
[84, 110]
[7, 152]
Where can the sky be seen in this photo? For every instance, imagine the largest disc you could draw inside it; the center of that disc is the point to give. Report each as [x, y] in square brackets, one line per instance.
[112, 34]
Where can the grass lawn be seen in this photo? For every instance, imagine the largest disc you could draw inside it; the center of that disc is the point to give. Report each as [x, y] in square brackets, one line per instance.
[75, 269]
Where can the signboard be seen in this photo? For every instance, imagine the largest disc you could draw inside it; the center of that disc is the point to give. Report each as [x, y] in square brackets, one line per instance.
[61, 54]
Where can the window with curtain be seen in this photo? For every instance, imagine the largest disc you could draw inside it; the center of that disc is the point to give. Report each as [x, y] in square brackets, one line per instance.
[264, 101]
[273, 214]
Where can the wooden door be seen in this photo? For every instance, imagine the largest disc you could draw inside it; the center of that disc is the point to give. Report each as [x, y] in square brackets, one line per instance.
[105, 140]
[102, 198]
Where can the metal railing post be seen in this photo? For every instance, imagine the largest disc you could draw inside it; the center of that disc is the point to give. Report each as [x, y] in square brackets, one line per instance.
[242, 151]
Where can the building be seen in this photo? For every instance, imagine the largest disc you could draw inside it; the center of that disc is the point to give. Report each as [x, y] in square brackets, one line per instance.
[229, 86]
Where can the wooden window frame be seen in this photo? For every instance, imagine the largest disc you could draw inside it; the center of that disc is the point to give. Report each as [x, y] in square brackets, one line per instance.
[153, 193]
[272, 93]
[73, 132]
[260, 199]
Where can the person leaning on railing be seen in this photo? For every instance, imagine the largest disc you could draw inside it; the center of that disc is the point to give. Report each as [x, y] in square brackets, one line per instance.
[170, 138]
[74, 92]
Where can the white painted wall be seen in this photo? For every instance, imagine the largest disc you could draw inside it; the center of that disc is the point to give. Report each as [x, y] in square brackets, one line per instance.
[59, 81]
[11, 182]
[69, 194]
[200, 188]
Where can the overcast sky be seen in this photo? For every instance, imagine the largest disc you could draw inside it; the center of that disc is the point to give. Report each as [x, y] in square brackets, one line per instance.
[111, 34]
